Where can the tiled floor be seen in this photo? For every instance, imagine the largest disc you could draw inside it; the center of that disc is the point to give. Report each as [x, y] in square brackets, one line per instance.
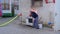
[15, 28]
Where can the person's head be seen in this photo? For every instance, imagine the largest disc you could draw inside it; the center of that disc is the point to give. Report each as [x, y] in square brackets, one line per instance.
[33, 9]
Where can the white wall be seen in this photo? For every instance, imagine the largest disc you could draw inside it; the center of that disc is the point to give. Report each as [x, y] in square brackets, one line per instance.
[42, 11]
[24, 7]
[47, 9]
[57, 17]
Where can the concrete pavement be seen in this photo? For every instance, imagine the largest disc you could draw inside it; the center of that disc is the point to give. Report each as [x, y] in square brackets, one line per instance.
[16, 28]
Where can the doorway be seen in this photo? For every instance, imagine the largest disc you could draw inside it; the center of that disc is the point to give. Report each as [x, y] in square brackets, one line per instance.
[16, 6]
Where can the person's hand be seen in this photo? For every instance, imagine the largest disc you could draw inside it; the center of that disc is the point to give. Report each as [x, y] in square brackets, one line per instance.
[20, 14]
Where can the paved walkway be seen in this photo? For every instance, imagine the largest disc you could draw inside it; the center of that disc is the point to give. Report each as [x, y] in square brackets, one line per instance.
[15, 28]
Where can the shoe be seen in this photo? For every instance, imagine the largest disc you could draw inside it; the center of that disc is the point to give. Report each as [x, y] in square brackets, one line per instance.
[37, 28]
[32, 27]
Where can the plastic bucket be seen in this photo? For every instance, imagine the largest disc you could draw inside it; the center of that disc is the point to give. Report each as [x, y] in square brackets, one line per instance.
[40, 26]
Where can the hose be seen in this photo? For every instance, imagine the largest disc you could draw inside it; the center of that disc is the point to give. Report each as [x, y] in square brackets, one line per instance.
[6, 23]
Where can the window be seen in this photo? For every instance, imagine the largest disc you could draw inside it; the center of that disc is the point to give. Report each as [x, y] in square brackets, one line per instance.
[37, 3]
[6, 5]
[16, 4]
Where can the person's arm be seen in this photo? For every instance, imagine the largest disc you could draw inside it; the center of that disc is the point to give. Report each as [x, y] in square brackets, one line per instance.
[33, 20]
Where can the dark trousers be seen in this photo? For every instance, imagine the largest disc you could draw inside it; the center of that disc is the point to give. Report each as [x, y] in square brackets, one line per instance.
[35, 24]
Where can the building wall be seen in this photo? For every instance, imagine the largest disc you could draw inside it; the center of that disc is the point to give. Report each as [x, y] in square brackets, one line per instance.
[43, 12]
[24, 8]
[57, 16]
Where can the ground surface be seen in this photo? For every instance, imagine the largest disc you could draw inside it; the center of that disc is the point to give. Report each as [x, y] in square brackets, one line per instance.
[15, 28]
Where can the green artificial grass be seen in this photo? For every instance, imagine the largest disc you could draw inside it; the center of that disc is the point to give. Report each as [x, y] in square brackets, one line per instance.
[6, 15]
